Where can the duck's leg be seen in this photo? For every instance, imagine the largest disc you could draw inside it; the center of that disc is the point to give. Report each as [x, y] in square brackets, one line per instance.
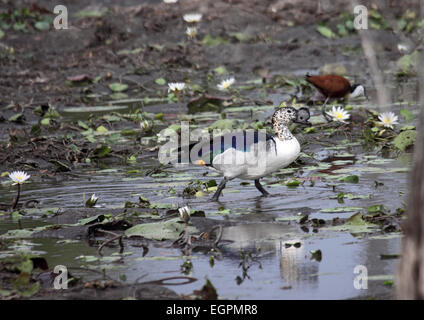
[261, 188]
[219, 190]
[323, 110]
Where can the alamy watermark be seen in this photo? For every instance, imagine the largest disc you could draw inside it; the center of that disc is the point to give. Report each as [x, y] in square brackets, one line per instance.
[61, 280]
[361, 17]
[360, 282]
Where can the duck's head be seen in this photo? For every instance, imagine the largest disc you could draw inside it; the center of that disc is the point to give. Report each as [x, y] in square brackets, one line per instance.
[358, 90]
[288, 115]
[283, 117]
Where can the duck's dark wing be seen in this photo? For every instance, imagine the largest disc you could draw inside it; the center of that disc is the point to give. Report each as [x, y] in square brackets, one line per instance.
[242, 140]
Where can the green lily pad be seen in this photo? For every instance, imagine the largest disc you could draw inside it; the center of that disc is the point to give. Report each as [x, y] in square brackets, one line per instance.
[118, 87]
[405, 139]
[102, 151]
[90, 220]
[118, 96]
[19, 117]
[92, 12]
[210, 41]
[355, 224]
[220, 70]
[42, 25]
[101, 129]
[45, 122]
[87, 109]
[377, 208]
[351, 179]
[160, 81]
[23, 233]
[292, 183]
[223, 124]
[351, 196]
[164, 230]
[326, 32]
[408, 63]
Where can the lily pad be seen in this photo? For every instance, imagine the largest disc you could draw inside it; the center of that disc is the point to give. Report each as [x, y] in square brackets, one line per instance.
[340, 209]
[405, 139]
[164, 230]
[355, 224]
[351, 179]
[160, 81]
[24, 233]
[223, 124]
[42, 25]
[326, 32]
[220, 70]
[94, 109]
[118, 87]
[408, 63]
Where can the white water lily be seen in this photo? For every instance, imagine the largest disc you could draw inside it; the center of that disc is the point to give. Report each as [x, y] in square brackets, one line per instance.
[191, 32]
[170, 1]
[339, 114]
[192, 17]
[184, 213]
[145, 125]
[225, 84]
[92, 201]
[19, 177]
[402, 47]
[388, 119]
[176, 86]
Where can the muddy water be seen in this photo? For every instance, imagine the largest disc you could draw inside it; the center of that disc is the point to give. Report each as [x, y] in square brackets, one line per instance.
[278, 272]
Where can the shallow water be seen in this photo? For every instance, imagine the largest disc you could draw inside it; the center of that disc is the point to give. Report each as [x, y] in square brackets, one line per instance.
[265, 223]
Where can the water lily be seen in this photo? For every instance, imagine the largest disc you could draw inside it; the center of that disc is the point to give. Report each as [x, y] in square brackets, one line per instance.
[145, 125]
[170, 1]
[192, 17]
[402, 47]
[176, 86]
[184, 213]
[18, 177]
[92, 201]
[225, 84]
[388, 119]
[339, 114]
[191, 32]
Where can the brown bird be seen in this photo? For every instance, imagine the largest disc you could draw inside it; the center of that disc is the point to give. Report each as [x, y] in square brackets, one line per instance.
[333, 86]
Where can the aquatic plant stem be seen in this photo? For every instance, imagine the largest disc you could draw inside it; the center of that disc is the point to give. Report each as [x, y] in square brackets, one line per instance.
[15, 203]
[179, 103]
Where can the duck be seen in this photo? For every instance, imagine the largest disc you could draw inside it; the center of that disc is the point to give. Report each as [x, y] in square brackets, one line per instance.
[333, 86]
[252, 154]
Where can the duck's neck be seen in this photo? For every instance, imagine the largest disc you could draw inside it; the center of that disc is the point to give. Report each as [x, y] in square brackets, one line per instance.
[282, 132]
